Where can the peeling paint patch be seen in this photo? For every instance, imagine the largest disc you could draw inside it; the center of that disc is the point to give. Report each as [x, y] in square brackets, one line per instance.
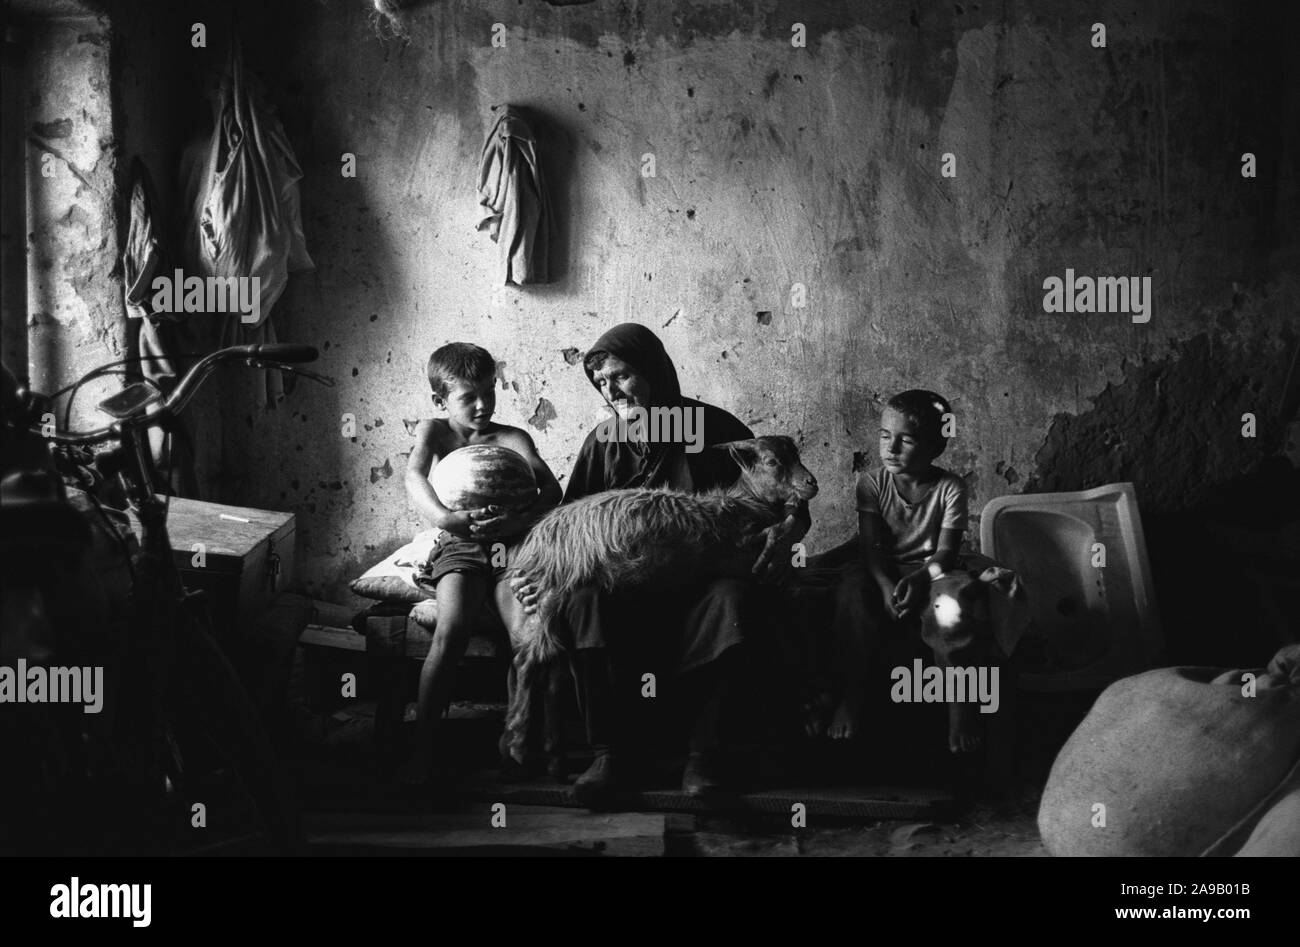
[571, 355]
[860, 461]
[1172, 427]
[381, 473]
[411, 424]
[77, 216]
[60, 128]
[501, 374]
[764, 317]
[543, 415]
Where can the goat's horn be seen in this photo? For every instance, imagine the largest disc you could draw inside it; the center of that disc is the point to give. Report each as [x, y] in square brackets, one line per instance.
[748, 446]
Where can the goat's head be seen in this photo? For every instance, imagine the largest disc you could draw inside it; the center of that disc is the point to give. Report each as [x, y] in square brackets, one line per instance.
[770, 467]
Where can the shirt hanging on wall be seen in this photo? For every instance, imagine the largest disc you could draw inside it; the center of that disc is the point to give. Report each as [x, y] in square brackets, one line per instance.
[242, 206]
[165, 338]
[143, 258]
[165, 335]
[514, 206]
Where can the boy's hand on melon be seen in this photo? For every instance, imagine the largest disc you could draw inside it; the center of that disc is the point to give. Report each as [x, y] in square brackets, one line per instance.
[499, 521]
[461, 523]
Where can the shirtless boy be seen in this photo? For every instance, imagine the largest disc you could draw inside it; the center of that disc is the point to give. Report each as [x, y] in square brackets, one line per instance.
[469, 557]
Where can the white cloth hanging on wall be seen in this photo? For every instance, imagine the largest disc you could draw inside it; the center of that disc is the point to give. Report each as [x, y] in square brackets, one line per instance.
[242, 208]
[514, 206]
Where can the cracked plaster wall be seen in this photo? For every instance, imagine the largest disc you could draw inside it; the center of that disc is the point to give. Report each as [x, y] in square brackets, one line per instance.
[775, 166]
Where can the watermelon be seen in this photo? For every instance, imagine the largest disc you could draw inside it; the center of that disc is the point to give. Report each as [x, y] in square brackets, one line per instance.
[481, 475]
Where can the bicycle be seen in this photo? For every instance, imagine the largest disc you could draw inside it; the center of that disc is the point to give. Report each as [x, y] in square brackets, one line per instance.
[182, 763]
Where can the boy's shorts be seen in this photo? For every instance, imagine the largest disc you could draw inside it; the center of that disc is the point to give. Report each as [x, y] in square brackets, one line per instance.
[452, 554]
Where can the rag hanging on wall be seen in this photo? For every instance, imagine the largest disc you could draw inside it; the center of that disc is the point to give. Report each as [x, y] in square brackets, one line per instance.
[242, 213]
[514, 206]
[165, 338]
[145, 258]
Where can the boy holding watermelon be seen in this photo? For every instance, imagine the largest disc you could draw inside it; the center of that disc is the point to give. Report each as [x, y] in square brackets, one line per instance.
[495, 504]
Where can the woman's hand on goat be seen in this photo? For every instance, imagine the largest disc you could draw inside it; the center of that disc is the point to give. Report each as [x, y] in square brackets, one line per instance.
[773, 565]
[526, 593]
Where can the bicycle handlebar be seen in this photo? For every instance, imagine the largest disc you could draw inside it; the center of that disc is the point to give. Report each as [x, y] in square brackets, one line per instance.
[284, 353]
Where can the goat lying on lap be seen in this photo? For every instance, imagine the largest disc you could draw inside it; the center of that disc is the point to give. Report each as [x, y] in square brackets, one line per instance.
[623, 539]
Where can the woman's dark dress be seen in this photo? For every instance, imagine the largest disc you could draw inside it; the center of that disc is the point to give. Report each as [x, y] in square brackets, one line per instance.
[683, 629]
[663, 632]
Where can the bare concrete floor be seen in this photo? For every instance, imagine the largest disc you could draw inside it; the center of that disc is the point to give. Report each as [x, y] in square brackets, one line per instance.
[980, 832]
[542, 830]
[350, 811]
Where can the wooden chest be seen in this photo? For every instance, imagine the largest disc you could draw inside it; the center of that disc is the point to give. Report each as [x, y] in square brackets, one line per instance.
[240, 556]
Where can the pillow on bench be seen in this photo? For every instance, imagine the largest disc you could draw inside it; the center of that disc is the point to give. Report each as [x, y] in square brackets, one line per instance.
[393, 579]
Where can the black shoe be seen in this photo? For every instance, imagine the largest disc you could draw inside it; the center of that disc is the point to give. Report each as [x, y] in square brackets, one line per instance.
[594, 787]
[701, 777]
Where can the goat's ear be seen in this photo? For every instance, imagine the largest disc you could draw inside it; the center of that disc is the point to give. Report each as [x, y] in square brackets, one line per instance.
[744, 453]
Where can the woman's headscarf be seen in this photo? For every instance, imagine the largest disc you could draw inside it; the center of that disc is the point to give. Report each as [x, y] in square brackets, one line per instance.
[642, 350]
[607, 463]
[633, 463]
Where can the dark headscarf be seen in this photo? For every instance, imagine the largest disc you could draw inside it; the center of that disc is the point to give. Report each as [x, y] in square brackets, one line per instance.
[605, 463]
[641, 349]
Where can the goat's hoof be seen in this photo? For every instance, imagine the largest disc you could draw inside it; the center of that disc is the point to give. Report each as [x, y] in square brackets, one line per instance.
[702, 778]
[596, 786]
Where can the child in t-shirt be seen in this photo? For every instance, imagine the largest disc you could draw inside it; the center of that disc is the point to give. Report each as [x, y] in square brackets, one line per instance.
[911, 520]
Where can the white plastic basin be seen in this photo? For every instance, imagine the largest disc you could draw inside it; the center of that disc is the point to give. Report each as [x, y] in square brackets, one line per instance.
[1090, 623]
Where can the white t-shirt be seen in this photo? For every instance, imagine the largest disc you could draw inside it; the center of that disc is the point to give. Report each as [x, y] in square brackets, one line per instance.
[912, 529]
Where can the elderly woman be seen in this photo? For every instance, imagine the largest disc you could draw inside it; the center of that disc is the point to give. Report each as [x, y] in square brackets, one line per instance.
[693, 640]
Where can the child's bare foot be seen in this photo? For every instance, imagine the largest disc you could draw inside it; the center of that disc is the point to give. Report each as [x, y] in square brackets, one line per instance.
[963, 728]
[815, 710]
[847, 721]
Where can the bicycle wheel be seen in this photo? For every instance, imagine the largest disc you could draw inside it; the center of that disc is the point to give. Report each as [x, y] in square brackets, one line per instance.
[220, 758]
